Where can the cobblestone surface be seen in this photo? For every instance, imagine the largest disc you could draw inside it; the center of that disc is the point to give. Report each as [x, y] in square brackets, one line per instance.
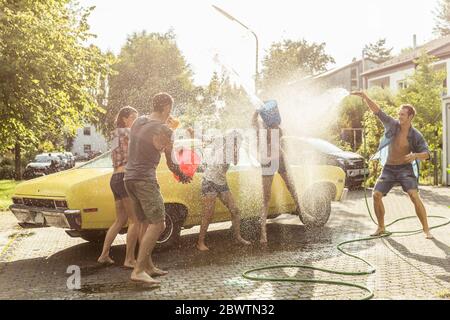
[34, 262]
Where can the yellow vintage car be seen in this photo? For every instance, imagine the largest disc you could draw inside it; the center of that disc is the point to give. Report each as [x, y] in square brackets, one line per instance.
[80, 200]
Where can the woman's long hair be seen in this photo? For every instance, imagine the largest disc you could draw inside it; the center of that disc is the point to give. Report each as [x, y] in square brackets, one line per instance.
[123, 114]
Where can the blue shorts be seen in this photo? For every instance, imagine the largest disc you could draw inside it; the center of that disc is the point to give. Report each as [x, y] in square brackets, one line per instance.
[392, 175]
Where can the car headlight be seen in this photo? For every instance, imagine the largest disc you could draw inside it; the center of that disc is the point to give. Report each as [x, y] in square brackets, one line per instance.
[340, 161]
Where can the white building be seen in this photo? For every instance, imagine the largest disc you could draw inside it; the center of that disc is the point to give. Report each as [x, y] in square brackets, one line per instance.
[88, 140]
[394, 72]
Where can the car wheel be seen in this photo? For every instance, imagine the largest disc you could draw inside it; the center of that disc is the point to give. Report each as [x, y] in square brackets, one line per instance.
[315, 206]
[170, 237]
[95, 237]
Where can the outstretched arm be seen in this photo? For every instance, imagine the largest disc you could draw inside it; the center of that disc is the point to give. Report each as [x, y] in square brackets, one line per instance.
[370, 103]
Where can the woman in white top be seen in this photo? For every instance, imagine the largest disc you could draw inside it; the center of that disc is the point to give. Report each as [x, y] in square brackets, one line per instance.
[214, 185]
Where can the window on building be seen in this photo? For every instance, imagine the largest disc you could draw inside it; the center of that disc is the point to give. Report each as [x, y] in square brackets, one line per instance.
[87, 148]
[402, 84]
[87, 131]
[382, 83]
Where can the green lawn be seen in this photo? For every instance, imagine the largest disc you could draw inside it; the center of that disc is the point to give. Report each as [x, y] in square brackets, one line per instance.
[6, 190]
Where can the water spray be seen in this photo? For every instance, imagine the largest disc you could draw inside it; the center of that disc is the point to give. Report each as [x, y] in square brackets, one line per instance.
[250, 274]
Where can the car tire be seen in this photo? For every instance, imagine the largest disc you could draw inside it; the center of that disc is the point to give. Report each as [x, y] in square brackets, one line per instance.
[170, 237]
[94, 237]
[315, 206]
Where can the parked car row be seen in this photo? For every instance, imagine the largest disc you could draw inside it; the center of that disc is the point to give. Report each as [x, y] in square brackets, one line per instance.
[88, 156]
[48, 163]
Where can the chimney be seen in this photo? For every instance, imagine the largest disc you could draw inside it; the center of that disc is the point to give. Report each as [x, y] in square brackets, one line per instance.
[414, 41]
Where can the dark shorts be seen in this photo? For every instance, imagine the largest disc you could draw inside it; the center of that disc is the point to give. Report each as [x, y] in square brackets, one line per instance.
[271, 168]
[392, 175]
[211, 188]
[118, 186]
[147, 199]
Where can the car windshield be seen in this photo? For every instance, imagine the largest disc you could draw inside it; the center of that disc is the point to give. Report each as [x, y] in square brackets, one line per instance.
[103, 161]
[324, 146]
[42, 159]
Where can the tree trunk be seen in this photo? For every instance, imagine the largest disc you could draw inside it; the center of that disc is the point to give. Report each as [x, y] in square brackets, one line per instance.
[18, 166]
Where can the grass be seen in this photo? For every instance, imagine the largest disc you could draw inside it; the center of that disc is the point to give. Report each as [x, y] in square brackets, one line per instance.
[6, 190]
[444, 294]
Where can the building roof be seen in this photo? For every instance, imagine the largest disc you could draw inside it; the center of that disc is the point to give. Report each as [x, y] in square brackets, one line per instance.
[410, 56]
[337, 69]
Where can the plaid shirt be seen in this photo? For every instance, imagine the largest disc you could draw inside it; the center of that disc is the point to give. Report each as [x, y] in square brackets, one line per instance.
[119, 147]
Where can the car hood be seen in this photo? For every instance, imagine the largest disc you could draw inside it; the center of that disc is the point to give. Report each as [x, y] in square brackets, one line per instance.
[346, 155]
[39, 164]
[57, 185]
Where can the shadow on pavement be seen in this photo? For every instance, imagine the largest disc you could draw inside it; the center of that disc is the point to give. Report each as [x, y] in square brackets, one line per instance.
[291, 238]
[443, 263]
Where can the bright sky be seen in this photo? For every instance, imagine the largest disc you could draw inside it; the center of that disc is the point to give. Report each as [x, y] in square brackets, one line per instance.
[344, 25]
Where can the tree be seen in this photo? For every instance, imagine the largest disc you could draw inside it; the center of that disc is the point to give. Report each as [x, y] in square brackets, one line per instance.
[290, 59]
[49, 78]
[442, 18]
[148, 63]
[378, 52]
[221, 105]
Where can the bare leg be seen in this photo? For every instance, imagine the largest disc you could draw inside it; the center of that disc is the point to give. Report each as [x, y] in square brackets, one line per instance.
[267, 191]
[133, 233]
[291, 187]
[113, 231]
[144, 261]
[209, 202]
[228, 200]
[142, 230]
[379, 212]
[421, 212]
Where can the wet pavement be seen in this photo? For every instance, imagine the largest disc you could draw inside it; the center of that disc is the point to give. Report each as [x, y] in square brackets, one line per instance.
[34, 262]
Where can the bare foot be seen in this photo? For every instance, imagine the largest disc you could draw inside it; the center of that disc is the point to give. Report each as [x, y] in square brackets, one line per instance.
[241, 240]
[428, 235]
[379, 232]
[105, 260]
[155, 272]
[144, 278]
[129, 265]
[202, 247]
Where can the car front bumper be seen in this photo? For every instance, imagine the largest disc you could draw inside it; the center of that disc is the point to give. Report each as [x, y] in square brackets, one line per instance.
[344, 194]
[42, 217]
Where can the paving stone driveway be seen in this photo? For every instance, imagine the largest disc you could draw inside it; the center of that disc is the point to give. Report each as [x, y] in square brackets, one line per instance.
[33, 262]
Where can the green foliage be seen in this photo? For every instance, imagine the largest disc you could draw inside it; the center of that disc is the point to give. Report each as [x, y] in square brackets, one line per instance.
[49, 78]
[289, 59]
[424, 92]
[378, 52]
[6, 191]
[148, 63]
[221, 105]
[442, 18]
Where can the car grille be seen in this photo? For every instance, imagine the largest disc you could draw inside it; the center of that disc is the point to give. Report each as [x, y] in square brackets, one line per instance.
[39, 203]
[356, 164]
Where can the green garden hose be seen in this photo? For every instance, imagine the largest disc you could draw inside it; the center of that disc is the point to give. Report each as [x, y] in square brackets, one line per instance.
[371, 270]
